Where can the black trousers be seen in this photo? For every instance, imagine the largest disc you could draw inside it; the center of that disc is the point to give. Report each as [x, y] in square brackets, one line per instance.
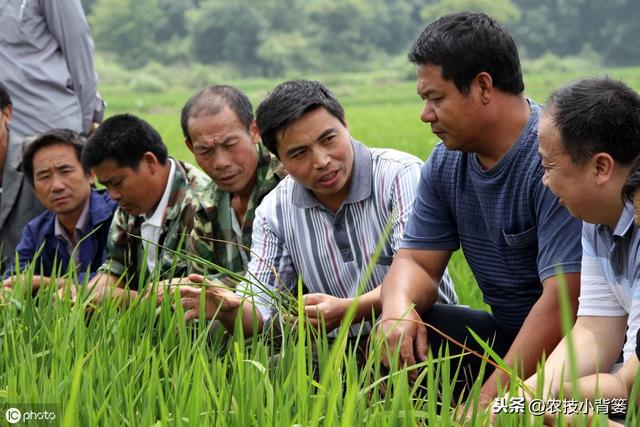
[455, 321]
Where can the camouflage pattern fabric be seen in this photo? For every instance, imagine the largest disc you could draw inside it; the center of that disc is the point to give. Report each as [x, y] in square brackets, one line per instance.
[126, 255]
[219, 223]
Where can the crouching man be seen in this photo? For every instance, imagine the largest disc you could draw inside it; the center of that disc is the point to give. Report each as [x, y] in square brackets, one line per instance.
[321, 223]
[73, 230]
[158, 198]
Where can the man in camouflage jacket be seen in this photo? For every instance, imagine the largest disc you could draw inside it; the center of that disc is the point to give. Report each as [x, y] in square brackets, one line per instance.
[220, 130]
[159, 200]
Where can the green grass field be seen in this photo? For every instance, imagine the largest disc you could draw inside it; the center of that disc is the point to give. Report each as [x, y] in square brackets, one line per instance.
[145, 366]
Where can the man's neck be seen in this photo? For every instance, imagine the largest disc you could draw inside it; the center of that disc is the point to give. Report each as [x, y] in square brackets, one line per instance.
[69, 221]
[503, 129]
[240, 200]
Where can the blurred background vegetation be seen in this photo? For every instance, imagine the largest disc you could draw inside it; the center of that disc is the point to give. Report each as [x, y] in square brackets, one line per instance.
[279, 37]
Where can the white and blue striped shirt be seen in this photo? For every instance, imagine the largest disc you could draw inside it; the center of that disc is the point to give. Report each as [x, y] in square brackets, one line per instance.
[610, 279]
[295, 235]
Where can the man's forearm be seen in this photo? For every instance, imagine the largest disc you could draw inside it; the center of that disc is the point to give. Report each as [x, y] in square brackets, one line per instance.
[603, 336]
[249, 316]
[407, 283]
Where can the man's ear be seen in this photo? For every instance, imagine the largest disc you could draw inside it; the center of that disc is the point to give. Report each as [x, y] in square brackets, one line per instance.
[150, 161]
[189, 144]
[7, 112]
[603, 166]
[254, 132]
[484, 84]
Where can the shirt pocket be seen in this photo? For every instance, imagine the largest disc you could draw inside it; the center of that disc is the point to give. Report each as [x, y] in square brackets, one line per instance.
[11, 33]
[521, 251]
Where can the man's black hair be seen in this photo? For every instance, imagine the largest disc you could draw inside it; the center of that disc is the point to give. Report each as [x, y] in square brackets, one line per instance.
[287, 103]
[632, 182]
[47, 139]
[466, 44]
[5, 99]
[597, 115]
[211, 100]
[123, 138]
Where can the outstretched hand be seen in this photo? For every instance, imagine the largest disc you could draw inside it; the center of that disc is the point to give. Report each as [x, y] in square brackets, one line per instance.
[218, 298]
[324, 308]
[406, 332]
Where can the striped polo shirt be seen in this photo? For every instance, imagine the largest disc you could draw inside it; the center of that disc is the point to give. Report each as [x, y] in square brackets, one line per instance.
[297, 236]
[610, 280]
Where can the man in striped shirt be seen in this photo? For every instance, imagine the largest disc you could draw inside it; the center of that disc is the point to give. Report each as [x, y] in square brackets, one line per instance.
[324, 221]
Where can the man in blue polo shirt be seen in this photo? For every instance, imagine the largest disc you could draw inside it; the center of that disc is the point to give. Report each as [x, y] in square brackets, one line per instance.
[481, 190]
[73, 230]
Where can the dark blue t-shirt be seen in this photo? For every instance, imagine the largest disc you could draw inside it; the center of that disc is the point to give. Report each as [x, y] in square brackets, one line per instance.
[512, 230]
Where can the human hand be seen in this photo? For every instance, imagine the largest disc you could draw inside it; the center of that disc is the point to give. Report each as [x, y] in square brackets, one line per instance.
[7, 283]
[164, 287]
[70, 292]
[218, 299]
[322, 307]
[407, 332]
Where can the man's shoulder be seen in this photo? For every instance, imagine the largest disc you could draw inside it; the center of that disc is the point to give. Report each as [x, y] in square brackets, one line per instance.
[191, 187]
[42, 226]
[280, 196]
[275, 169]
[389, 156]
[103, 207]
[191, 177]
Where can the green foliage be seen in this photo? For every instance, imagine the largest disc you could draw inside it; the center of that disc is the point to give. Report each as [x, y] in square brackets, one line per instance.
[280, 37]
[504, 11]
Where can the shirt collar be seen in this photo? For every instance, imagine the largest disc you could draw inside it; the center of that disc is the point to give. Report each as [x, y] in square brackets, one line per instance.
[626, 220]
[158, 215]
[359, 187]
[58, 229]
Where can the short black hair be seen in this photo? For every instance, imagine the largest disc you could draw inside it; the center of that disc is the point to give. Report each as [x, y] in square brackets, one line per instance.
[47, 139]
[466, 44]
[125, 139]
[632, 182]
[211, 100]
[5, 99]
[597, 115]
[288, 102]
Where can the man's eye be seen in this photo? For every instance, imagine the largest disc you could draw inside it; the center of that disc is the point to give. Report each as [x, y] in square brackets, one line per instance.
[229, 144]
[297, 155]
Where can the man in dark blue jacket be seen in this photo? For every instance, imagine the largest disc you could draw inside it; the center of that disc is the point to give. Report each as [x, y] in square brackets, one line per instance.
[70, 237]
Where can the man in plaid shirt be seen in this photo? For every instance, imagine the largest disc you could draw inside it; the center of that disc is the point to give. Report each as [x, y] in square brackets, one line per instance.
[220, 130]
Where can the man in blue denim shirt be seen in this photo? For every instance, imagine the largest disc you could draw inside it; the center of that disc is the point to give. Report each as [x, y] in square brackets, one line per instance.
[71, 235]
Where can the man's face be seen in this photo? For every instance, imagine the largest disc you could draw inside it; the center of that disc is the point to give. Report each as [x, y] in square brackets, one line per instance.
[59, 181]
[572, 184]
[5, 118]
[636, 206]
[316, 151]
[225, 150]
[132, 189]
[452, 115]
